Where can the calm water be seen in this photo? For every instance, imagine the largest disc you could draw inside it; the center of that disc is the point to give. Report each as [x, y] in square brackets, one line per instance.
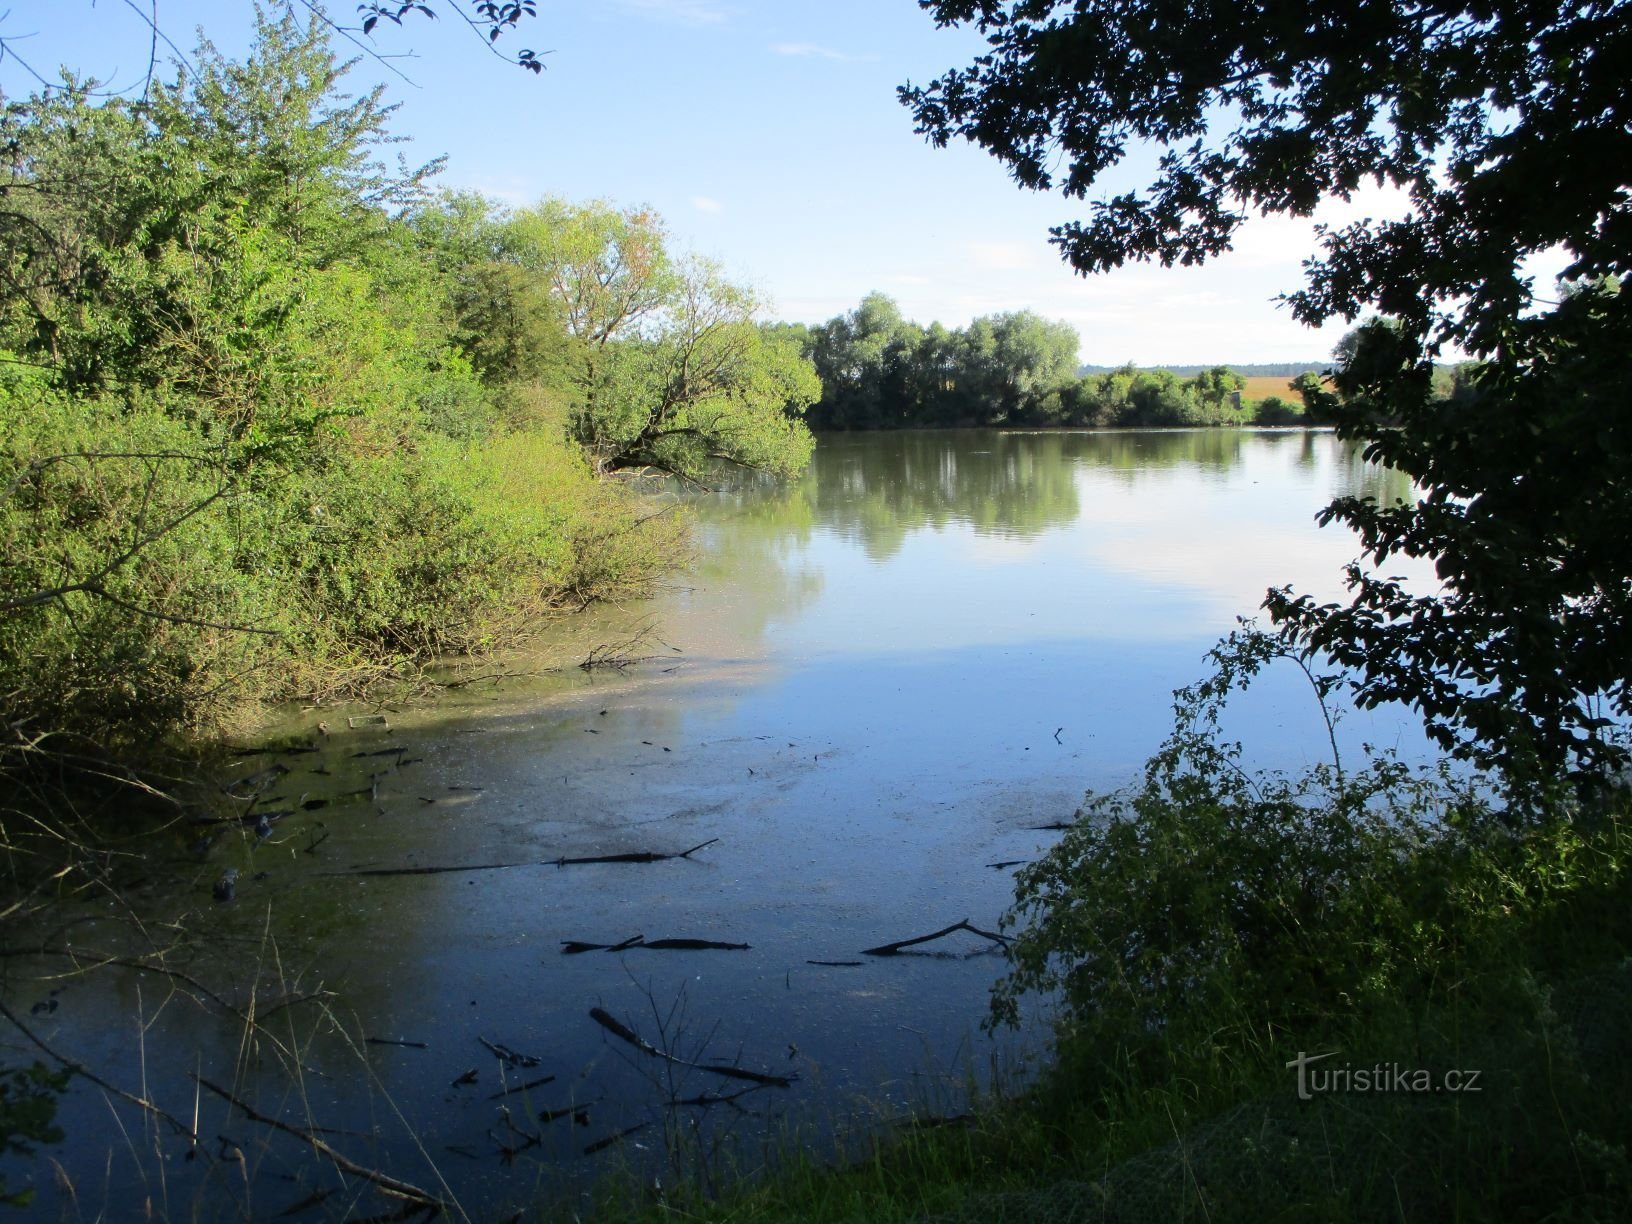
[868, 687]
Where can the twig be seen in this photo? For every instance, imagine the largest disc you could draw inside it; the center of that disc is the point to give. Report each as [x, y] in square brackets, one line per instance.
[624, 1033]
[80, 1069]
[537, 1083]
[387, 1184]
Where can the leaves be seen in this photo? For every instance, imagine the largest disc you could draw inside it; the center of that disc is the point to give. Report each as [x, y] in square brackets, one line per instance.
[1508, 126]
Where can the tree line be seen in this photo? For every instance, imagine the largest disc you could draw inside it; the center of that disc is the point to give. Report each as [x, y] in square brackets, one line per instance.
[881, 371]
[276, 417]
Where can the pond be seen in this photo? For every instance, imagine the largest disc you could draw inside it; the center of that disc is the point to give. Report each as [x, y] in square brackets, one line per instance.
[862, 701]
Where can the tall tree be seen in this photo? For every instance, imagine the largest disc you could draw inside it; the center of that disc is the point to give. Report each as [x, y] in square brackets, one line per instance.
[1508, 125]
[672, 372]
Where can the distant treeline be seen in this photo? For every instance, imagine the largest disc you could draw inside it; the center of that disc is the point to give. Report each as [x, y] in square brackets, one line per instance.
[881, 371]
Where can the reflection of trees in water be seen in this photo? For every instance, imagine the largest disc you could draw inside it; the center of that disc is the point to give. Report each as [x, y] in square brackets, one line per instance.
[876, 488]
[750, 535]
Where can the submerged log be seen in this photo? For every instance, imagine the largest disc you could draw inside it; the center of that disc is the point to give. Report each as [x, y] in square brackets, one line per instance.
[890, 949]
[624, 1033]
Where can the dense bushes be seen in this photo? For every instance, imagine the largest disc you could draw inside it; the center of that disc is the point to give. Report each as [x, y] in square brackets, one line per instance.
[1214, 933]
[273, 420]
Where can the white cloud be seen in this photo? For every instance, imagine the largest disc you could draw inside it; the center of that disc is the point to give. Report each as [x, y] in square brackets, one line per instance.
[816, 51]
[689, 12]
[706, 204]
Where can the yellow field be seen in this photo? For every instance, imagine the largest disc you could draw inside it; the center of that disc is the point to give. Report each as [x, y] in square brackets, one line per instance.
[1263, 386]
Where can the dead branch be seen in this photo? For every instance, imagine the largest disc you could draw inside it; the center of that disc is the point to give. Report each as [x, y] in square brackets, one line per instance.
[890, 949]
[643, 856]
[537, 1083]
[571, 947]
[80, 1069]
[624, 1033]
[386, 1183]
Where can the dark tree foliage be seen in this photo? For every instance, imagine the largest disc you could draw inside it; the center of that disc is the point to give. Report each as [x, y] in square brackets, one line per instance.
[1509, 125]
[490, 18]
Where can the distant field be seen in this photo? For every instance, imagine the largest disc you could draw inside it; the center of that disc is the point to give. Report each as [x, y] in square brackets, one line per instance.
[1263, 386]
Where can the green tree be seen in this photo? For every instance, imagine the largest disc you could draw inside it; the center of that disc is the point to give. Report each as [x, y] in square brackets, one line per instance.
[1509, 126]
[672, 371]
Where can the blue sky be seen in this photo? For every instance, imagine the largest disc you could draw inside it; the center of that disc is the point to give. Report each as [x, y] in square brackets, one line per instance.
[768, 135]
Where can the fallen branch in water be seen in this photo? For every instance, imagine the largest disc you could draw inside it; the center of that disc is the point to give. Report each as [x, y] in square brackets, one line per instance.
[624, 1033]
[600, 1145]
[890, 949]
[508, 1056]
[84, 1072]
[571, 947]
[386, 1183]
[641, 856]
[411, 871]
[537, 1083]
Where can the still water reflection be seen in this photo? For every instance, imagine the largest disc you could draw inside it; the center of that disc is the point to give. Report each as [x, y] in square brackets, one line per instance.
[868, 687]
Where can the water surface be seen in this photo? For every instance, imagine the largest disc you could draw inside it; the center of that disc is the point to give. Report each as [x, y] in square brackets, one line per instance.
[867, 688]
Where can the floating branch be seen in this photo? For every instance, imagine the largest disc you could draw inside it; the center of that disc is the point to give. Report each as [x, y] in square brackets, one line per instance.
[410, 871]
[641, 856]
[624, 1033]
[537, 1083]
[600, 1145]
[510, 1057]
[392, 1041]
[1009, 863]
[835, 964]
[1058, 826]
[570, 947]
[389, 1185]
[890, 949]
[713, 1098]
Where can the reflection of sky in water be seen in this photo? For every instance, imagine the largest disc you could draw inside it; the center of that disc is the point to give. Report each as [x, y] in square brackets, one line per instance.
[1162, 551]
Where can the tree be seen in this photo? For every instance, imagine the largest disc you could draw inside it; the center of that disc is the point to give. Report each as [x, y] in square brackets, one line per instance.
[670, 368]
[1508, 126]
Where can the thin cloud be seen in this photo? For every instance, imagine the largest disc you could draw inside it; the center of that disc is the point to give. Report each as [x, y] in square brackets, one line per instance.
[707, 204]
[687, 12]
[817, 51]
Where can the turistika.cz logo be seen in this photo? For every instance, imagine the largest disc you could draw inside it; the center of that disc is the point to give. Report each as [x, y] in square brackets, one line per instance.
[1315, 1079]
